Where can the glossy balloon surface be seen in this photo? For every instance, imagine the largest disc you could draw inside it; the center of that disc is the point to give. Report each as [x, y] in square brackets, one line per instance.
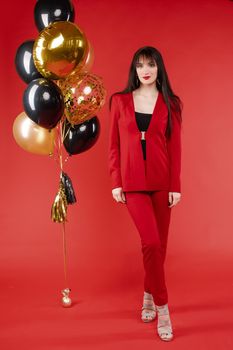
[81, 137]
[59, 48]
[43, 103]
[86, 64]
[49, 11]
[32, 137]
[24, 62]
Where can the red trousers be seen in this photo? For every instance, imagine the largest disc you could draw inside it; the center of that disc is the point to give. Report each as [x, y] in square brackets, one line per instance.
[151, 215]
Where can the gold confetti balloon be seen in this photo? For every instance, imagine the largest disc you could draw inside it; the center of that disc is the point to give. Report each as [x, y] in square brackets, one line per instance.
[84, 95]
[58, 50]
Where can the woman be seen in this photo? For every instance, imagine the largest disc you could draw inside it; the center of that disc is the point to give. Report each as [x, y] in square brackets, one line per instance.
[145, 166]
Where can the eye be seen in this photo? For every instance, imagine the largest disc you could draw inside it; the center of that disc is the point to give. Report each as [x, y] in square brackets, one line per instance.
[152, 64]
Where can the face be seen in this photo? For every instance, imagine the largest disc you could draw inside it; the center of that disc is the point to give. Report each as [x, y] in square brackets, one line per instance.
[147, 70]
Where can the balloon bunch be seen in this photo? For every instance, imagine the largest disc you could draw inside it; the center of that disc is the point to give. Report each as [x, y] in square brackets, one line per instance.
[62, 96]
[56, 66]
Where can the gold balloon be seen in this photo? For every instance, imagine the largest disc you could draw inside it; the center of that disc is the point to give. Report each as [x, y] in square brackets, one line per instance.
[86, 64]
[84, 95]
[58, 49]
[32, 137]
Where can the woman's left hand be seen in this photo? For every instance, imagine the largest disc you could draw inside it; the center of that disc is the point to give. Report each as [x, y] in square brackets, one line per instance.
[174, 198]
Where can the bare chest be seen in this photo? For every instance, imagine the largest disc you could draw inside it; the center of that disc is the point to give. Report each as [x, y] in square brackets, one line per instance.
[144, 104]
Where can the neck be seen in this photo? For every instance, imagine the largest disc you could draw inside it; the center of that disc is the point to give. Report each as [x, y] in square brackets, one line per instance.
[148, 90]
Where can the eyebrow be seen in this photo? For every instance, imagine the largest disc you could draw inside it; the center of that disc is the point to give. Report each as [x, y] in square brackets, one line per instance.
[151, 61]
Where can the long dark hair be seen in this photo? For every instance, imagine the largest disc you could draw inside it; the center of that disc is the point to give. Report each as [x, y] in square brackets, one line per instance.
[172, 101]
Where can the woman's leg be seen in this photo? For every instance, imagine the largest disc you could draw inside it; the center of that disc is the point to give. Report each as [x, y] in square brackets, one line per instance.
[163, 215]
[141, 209]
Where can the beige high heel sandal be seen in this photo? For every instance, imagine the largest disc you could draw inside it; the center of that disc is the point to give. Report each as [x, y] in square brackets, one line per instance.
[164, 327]
[148, 309]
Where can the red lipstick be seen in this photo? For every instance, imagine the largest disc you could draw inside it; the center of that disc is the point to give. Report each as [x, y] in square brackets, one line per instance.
[146, 77]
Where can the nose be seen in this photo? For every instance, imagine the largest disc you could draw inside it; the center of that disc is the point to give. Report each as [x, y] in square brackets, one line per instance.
[146, 72]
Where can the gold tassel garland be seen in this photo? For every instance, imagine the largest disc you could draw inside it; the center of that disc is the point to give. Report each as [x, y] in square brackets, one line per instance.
[59, 207]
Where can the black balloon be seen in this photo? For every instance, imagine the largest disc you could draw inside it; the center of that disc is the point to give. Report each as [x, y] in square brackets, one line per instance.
[81, 137]
[24, 62]
[49, 11]
[43, 102]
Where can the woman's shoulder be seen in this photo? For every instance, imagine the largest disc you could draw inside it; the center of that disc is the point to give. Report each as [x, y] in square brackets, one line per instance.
[121, 96]
[120, 99]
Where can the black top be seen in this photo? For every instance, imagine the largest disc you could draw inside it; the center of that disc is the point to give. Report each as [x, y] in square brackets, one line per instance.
[143, 121]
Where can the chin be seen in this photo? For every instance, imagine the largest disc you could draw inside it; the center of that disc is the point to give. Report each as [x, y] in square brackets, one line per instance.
[148, 82]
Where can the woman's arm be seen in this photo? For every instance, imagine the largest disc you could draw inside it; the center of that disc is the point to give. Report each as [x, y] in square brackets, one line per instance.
[114, 146]
[174, 151]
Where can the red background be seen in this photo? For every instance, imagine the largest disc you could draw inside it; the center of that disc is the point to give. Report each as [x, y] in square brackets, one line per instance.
[104, 258]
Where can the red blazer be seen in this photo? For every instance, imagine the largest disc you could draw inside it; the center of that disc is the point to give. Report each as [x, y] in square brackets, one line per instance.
[127, 168]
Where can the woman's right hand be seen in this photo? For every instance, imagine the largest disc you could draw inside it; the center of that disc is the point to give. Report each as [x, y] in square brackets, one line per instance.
[118, 195]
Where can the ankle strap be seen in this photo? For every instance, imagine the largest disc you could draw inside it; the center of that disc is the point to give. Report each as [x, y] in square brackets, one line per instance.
[163, 309]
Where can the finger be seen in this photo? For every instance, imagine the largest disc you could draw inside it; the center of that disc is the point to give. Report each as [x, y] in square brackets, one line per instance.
[176, 199]
[174, 202]
[123, 197]
[170, 199]
[119, 198]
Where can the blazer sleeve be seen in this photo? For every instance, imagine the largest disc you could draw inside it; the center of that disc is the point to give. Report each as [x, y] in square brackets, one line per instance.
[174, 148]
[114, 145]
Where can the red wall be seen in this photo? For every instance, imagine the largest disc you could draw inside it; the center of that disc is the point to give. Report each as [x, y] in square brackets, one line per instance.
[195, 39]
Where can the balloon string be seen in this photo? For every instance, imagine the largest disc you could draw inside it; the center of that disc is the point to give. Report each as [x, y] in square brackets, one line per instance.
[56, 155]
[64, 134]
[60, 142]
[64, 252]
[60, 147]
